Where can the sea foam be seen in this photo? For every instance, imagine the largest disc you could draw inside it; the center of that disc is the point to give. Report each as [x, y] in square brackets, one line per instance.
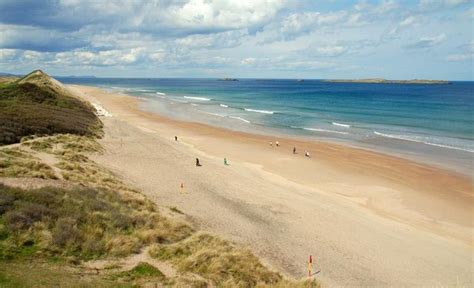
[240, 118]
[223, 105]
[161, 93]
[259, 111]
[197, 98]
[418, 140]
[341, 125]
[320, 130]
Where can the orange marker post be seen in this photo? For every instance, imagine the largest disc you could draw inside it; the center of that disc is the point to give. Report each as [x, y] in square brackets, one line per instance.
[310, 265]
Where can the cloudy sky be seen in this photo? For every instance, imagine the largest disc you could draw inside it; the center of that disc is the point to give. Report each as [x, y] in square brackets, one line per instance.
[242, 38]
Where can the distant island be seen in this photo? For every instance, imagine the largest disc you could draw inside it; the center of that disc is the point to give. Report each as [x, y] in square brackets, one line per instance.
[229, 79]
[385, 81]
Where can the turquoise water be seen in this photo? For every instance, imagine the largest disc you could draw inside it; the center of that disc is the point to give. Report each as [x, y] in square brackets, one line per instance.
[434, 122]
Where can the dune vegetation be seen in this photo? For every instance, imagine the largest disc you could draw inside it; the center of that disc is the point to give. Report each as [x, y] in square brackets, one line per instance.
[38, 105]
[66, 221]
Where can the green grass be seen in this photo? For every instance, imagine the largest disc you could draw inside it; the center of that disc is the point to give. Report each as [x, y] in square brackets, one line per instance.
[38, 273]
[141, 270]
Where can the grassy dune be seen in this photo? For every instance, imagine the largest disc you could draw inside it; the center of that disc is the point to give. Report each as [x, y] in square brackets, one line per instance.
[38, 104]
[52, 236]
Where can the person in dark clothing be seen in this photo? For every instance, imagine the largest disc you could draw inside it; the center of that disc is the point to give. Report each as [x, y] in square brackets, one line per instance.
[197, 162]
[294, 150]
[175, 138]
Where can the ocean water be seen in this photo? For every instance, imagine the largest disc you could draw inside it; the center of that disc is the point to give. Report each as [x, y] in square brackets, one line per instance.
[432, 123]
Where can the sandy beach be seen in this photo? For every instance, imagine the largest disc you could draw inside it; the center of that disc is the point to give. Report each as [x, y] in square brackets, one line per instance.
[368, 219]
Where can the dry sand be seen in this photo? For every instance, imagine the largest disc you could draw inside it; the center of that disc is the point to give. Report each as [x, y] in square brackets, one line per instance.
[367, 218]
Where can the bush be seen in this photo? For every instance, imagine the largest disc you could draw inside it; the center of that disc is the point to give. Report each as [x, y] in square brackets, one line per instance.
[66, 234]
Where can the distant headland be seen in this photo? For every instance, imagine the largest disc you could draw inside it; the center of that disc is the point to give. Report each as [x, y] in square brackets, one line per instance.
[385, 81]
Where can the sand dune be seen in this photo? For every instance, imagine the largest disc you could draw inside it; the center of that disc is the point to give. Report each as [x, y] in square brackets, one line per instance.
[368, 219]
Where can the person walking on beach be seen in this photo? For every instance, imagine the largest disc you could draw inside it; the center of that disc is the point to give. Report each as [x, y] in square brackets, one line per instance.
[175, 138]
[294, 150]
[225, 161]
[197, 162]
[271, 143]
[277, 143]
[307, 154]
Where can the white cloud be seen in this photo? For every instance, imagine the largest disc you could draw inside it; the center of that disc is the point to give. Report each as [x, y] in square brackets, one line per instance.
[8, 54]
[100, 58]
[213, 41]
[224, 14]
[330, 51]
[248, 61]
[404, 24]
[459, 57]
[427, 42]
[298, 24]
[410, 20]
[439, 4]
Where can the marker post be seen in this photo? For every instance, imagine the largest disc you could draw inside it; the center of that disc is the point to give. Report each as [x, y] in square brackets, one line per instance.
[310, 265]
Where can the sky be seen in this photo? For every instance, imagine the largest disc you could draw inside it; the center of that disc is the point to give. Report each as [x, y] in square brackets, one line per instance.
[325, 39]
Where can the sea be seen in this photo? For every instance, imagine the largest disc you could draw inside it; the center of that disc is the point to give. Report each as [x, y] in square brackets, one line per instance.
[431, 123]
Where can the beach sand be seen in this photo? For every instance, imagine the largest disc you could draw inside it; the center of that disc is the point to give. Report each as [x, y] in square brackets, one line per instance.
[368, 219]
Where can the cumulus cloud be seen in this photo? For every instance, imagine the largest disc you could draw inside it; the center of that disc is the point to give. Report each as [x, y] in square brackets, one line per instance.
[218, 35]
[153, 16]
[298, 24]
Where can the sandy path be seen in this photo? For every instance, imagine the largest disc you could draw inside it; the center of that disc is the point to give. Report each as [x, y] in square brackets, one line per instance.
[356, 226]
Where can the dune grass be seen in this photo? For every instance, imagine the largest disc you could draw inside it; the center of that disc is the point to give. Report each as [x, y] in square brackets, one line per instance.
[15, 162]
[221, 262]
[62, 144]
[84, 223]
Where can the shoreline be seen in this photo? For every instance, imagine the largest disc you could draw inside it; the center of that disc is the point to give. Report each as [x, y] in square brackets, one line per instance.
[377, 139]
[384, 190]
[437, 157]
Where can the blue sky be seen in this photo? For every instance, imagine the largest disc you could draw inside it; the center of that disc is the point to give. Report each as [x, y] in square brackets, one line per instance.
[429, 39]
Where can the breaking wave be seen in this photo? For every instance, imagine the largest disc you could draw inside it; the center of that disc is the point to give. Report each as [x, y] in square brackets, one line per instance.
[320, 130]
[420, 139]
[197, 98]
[341, 125]
[259, 111]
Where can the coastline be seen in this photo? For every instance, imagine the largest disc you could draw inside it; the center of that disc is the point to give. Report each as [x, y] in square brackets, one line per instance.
[388, 190]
